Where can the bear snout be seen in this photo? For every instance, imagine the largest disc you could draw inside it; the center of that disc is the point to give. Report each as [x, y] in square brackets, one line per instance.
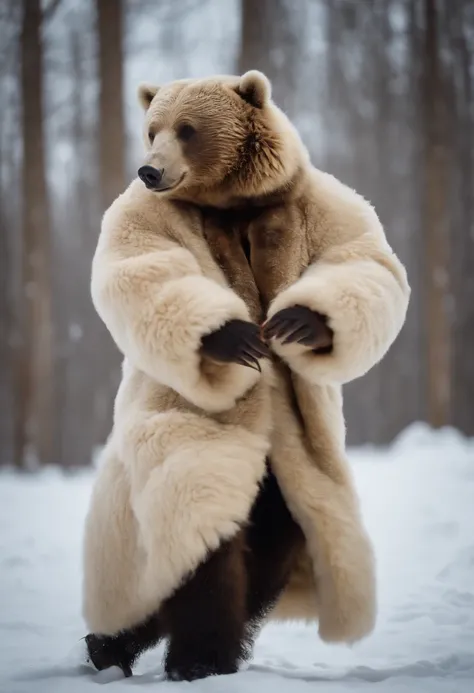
[151, 176]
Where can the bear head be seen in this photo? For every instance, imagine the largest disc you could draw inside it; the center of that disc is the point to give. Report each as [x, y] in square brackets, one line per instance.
[217, 139]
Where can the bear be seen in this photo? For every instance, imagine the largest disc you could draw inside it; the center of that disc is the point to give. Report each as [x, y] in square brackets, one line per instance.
[243, 287]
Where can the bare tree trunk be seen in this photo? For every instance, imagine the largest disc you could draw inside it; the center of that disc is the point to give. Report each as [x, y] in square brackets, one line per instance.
[6, 390]
[272, 33]
[112, 147]
[459, 27]
[5, 320]
[436, 238]
[111, 106]
[415, 395]
[34, 423]
[10, 230]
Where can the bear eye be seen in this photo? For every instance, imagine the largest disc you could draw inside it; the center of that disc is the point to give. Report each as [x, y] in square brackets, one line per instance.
[185, 132]
[151, 136]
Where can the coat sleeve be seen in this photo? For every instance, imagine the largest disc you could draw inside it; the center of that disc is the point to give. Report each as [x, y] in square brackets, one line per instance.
[362, 289]
[157, 306]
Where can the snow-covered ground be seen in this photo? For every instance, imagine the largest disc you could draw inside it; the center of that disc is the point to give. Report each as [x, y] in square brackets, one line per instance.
[418, 500]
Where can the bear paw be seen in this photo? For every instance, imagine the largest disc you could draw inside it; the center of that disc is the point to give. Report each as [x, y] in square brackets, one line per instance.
[106, 652]
[189, 663]
[238, 341]
[301, 325]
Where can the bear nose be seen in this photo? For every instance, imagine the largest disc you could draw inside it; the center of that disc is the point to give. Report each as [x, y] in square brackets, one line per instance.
[151, 176]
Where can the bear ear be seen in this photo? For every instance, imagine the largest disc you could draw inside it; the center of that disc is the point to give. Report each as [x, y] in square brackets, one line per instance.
[146, 93]
[255, 88]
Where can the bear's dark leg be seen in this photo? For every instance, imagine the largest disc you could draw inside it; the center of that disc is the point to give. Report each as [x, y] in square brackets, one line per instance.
[274, 541]
[213, 618]
[122, 650]
[206, 617]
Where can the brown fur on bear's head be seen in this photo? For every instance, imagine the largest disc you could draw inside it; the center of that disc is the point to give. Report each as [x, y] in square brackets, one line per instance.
[219, 139]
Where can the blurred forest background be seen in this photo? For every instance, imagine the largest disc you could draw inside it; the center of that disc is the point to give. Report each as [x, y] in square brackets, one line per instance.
[382, 92]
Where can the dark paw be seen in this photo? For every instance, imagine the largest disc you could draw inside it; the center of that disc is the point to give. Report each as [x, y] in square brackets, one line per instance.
[199, 670]
[237, 341]
[301, 325]
[105, 652]
[188, 661]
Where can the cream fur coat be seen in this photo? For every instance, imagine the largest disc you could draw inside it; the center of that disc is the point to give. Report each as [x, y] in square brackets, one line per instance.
[182, 466]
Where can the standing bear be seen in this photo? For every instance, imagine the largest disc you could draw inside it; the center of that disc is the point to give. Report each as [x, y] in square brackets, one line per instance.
[244, 287]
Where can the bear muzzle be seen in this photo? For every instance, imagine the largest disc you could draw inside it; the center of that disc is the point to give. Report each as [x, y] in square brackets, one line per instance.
[152, 177]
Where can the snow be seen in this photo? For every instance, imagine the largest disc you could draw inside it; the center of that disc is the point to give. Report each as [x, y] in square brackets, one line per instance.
[418, 502]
